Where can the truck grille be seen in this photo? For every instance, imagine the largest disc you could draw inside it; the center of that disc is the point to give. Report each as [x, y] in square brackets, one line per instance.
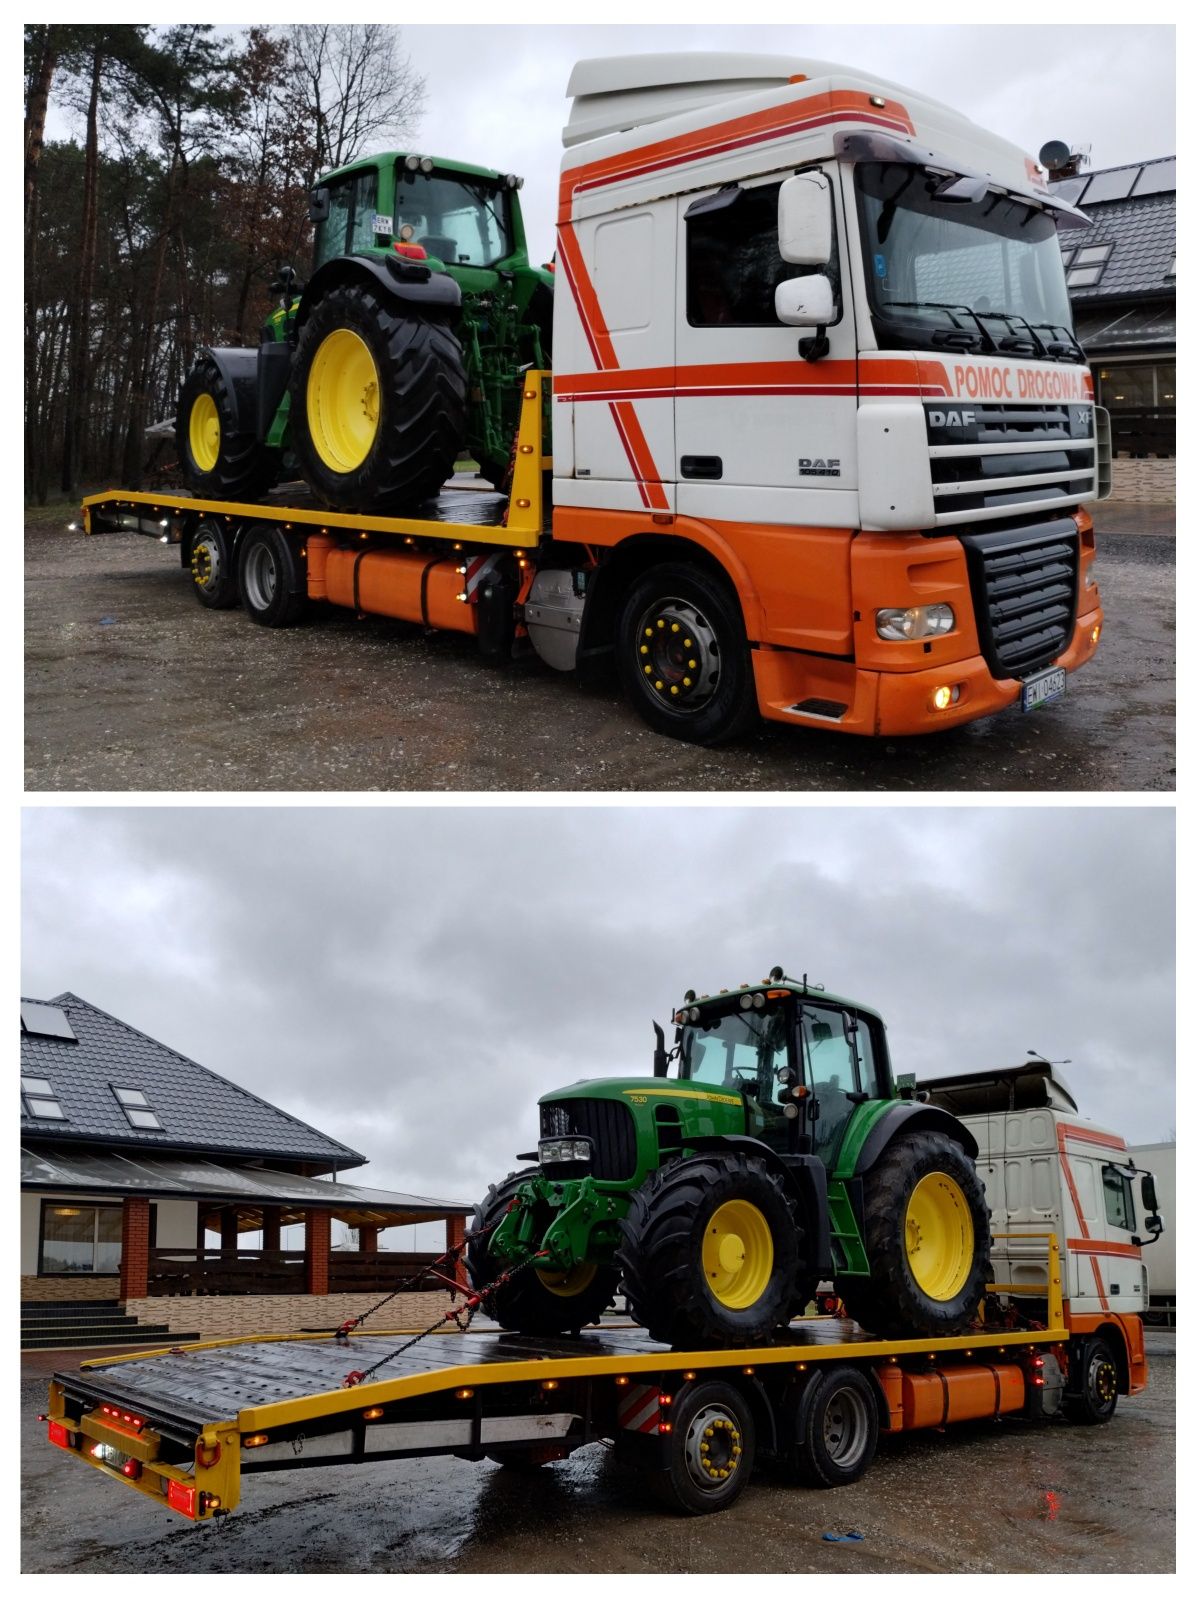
[988, 459]
[1024, 583]
[608, 1124]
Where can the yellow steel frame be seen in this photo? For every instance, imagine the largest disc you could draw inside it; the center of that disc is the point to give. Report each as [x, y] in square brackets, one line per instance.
[522, 523]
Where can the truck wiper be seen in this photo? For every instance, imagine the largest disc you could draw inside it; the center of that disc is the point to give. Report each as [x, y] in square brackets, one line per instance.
[1014, 316]
[941, 305]
[1057, 345]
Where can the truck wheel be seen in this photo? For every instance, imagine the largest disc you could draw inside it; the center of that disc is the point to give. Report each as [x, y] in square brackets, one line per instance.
[545, 1302]
[272, 585]
[709, 1251]
[834, 1426]
[683, 657]
[925, 1227]
[710, 1450]
[214, 576]
[378, 402]
[219, 459]
[1091, 1399]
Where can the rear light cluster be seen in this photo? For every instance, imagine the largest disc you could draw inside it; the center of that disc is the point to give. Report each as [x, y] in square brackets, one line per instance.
[122, 1416]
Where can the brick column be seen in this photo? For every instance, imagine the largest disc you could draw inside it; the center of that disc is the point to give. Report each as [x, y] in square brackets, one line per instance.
[316, 1251]
[270, 1227]
[368, 1239]
[135, 1248]
[456, 1229]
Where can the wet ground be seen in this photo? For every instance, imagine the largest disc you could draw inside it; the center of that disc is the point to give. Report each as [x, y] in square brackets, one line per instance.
[979, 1498]
[130, 684]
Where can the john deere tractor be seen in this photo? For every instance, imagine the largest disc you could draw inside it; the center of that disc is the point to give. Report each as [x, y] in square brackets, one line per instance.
[401, 351]
[769, 1151]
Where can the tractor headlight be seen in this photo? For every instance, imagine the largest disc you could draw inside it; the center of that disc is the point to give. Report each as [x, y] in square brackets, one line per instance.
[564, 1150]
[918, 621]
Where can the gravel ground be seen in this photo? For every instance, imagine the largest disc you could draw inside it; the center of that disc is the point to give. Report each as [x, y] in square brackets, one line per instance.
[131, 685]
[978, 1498]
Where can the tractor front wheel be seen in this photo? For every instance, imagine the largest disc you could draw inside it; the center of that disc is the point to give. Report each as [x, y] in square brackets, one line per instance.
[219, 458]
[709, 1251]
[539, 1302]
[378, 402]
[926, 1232]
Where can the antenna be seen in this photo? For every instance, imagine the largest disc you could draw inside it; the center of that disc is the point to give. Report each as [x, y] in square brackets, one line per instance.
[1062, 161]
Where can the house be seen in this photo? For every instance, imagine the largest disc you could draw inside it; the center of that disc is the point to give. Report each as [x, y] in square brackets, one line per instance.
[1121, 279]
[155, 1193]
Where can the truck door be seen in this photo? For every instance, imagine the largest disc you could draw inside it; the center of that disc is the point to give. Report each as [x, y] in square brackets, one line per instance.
[831, 1074]
[762, 434]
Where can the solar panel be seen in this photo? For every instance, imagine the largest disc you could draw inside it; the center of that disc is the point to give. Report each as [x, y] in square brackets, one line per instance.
[46, 1021]
[1158, 177]
[1069, 189]
[1111, 185]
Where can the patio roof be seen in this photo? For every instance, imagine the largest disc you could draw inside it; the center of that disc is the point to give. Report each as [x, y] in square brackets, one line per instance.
[59, 1170]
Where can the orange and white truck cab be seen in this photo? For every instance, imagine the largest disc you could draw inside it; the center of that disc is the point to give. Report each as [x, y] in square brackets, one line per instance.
[813, 350]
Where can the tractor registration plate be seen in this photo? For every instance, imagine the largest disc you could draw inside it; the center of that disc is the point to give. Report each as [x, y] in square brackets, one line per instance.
[1040, 690]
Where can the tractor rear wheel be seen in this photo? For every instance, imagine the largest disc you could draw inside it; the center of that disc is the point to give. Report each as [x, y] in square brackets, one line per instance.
[378, 402]
[219, 458]
[709, 1251]
[926, 1231]
[542, 1302]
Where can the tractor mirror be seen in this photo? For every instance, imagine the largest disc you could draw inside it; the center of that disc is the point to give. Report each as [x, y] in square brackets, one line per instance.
[1149, 1194]
[806, 220]
[821, 1032]
[318, 205]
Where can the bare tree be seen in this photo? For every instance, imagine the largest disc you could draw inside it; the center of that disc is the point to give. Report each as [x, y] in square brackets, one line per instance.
[356, 87]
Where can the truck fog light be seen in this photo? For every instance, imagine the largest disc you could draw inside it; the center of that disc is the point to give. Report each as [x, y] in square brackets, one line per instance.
[1096, 633]
[918, 621]
[944, 697]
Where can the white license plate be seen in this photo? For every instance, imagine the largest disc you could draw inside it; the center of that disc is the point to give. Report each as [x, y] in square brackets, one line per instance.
[1040, 690]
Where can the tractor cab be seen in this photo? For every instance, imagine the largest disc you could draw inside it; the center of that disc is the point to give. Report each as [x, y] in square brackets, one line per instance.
[802, 1058]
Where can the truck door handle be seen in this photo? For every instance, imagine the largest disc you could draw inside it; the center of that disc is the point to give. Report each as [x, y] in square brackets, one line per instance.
[709, 467]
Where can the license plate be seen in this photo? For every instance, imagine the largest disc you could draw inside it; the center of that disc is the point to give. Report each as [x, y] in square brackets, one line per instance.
[1040, 690]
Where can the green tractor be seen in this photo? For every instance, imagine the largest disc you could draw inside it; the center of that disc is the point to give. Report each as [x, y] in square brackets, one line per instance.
[776, 1154]
[402, 351]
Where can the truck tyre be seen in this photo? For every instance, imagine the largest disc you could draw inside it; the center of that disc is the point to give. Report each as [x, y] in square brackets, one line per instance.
[539, 1302]
[1091, 1398]
[834, 1426]
[272, 585]
[378, 402]
[682, 655]
[926, 1232]
[213, 566]
[219, 459]
[710, 1450]
[709, 1251]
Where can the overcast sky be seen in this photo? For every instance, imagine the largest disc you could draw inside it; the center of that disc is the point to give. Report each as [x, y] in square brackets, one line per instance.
[410, 980]
[497, 94]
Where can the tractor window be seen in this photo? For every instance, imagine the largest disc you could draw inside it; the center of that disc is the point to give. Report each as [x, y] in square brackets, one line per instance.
[830, 1072]
[362, 221]
[746, 1047]
[331, 233]
[461, 221]
[1118, 1198]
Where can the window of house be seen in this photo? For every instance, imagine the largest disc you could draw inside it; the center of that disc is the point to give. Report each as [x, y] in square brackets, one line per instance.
[40, 1099]
[80, 1240]
[137, 1109]
[1118, 1198]
[734, 264]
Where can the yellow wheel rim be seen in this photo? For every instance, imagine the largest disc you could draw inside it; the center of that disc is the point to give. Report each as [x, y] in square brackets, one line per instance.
[738, 1254]
[939, 1236]
[343, 401]
[204, 432]
[567, 1284]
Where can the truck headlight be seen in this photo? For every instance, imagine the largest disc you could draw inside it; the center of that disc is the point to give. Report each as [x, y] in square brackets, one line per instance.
[918, 621]
[561, 1150]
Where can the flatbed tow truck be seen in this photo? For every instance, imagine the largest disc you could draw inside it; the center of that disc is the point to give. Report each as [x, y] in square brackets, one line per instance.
[183, 1426]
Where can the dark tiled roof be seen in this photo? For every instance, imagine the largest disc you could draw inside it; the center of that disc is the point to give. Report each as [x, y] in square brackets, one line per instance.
[198, 1109]
[1140, 228]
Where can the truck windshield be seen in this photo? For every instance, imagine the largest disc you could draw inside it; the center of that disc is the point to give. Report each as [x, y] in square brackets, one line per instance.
[462, 221]
[748, 1046]
[983, 275]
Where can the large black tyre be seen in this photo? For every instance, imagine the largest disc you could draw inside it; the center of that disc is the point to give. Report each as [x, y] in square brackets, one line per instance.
[272, 585]
[378, 401]
[682, 655]
[218, 458]
[710, 1450]
[709, 1251]
[213, 565]
[540, 1302]
[833, 1424]
[1095, 1384]
[926, 1231]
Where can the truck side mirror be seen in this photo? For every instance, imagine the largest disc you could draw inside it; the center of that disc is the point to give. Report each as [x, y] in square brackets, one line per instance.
[1149, 1194]
[806, 220]
[660, 1051]
[1154, 1224]
[318, 205]
[804, 301]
